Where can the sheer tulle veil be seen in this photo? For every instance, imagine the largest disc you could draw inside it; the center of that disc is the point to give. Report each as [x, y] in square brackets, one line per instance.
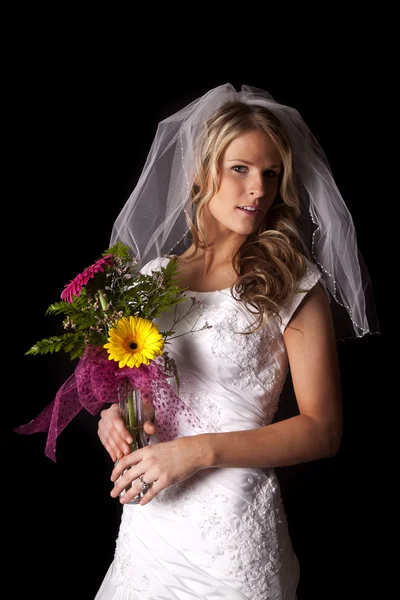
[153, 221]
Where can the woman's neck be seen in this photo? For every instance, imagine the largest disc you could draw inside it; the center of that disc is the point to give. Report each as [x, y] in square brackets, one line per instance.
[206, 270]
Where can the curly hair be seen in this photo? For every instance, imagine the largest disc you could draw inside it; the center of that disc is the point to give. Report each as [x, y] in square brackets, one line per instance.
[270, 261]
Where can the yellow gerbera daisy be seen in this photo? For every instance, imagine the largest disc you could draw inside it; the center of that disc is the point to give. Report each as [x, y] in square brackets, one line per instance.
[134, 341]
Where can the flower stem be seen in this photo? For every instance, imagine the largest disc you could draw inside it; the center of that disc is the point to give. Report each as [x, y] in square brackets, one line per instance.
[103, 301]
[131, 419]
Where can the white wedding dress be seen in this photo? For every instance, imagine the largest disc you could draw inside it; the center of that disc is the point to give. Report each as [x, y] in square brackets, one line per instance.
[222, 533]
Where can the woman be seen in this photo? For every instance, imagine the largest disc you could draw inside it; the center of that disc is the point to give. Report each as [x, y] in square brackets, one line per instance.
[259, 257]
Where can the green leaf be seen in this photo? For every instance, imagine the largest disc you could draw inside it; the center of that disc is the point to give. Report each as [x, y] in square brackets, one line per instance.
[70, 342]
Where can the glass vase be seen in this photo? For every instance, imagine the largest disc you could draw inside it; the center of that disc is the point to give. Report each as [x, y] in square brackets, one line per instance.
[132, 412]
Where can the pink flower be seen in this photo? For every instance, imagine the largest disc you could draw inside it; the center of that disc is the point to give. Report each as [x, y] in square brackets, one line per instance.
[74, 287]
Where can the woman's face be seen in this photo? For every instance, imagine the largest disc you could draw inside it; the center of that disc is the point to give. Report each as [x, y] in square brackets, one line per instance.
[249, 181]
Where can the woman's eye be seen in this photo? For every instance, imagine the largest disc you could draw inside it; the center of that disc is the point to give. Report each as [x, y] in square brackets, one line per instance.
[270, 174]
[239, 168]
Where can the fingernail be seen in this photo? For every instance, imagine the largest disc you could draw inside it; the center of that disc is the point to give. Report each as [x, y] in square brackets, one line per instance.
[129, 440]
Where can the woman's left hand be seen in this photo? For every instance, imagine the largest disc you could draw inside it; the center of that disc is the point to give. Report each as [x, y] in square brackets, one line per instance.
[160, 465]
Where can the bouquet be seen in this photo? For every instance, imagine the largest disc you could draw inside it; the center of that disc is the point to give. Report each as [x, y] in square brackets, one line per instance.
[109, 311]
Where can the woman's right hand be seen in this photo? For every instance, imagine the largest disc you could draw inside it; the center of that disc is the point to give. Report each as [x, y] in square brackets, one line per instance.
[113, 434]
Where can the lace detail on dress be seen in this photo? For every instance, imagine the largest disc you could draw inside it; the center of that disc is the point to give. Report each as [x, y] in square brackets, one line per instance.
[187, 497]
[252, 353]
[306, 283]
[203, 406]
[249, 539]
[255, 552]
[131, 586]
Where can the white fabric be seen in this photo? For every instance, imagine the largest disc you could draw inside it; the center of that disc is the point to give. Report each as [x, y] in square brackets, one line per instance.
[222, 533]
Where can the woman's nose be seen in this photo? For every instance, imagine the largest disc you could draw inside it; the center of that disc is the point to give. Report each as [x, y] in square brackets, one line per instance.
[256, 187]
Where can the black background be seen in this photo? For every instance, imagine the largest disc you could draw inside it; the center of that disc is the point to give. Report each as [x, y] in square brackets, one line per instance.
[79, 124]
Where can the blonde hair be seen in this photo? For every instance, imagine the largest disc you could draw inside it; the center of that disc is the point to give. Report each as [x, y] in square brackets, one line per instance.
[269, 263]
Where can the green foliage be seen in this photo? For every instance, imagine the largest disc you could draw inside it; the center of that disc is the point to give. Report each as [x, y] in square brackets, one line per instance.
[146, 298]
[72, 343]
[114, 289]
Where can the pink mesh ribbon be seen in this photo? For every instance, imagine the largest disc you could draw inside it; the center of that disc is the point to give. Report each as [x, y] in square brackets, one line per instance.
[95, 383]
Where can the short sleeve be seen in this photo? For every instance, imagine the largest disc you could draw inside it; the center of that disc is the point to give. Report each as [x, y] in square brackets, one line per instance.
[154, 265]
[306, 283]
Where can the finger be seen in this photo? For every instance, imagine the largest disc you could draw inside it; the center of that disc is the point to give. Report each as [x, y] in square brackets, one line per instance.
[119, 427]
[125, 482]
[134, 490]
[109, 445]
[114, 427]
[128, 486]
[112, 441]
[153, 490]
[127, 462]
[149, 428]
[137, 489]
[113, 454]
[111, 419]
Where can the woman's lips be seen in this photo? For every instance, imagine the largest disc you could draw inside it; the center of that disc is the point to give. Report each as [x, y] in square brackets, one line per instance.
[249, 213]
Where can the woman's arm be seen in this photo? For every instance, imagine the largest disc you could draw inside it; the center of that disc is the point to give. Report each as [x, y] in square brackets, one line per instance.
[316, 432]
[313, 434]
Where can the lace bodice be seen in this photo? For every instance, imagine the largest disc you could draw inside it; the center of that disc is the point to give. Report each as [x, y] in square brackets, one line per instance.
[226, 362]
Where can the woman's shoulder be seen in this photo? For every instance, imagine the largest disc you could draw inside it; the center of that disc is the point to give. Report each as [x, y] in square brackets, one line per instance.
[307, 281]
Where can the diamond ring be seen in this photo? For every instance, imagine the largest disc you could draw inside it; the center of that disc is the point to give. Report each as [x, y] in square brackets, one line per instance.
[145, 486]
